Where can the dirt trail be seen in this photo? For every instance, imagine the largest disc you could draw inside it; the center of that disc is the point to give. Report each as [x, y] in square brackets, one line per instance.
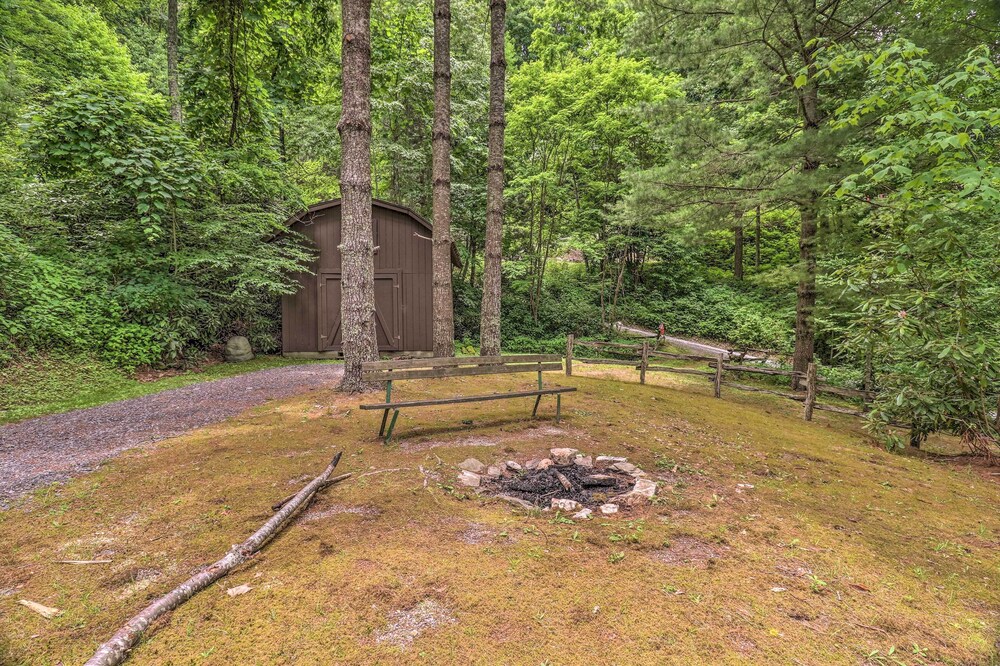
[690, 345]
[55, 447]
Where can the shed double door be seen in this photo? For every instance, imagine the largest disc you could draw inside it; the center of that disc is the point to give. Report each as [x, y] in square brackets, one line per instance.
[388, 311]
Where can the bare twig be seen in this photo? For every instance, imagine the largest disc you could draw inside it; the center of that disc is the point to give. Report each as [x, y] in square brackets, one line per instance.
[115, 651]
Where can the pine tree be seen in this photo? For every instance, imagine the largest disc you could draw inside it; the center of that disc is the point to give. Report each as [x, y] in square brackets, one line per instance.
[357, 305]
[489, 324]
[443, 314]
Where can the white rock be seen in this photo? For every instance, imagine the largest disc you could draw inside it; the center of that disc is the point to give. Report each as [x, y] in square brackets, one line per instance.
[624, 467]
[583, 461]
[494, 471]
[472, 465]
[467, 478]
[611, 459]
[644, 487]
[563, 456]
[565, 505]
[608, 509]
[777, 589]
[513, 466]
[582, 514]
[544, 463]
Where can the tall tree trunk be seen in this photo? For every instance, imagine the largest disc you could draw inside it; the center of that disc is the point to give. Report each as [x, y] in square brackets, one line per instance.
[173, 83]
[443, 315]
[738, 250]
[756, 241]
[805, 294]
[357, 273]
[489, 323]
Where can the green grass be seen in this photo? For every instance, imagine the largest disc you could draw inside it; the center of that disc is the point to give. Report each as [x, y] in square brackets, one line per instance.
[51, 384]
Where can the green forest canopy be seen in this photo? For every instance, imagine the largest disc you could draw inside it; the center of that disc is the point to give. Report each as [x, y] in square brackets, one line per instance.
[779, 175]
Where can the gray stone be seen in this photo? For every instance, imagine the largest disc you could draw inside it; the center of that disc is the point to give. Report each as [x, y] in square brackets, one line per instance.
[513, 466]
[611, 459]
[608, 509]
[472, 465]
[582, 514]
[565, 505]
[584, 461]
[562, 456]
[494, 471]
[471, 479]
[238, 349]
[644, 487]
[532, 464]
[544, 463]
[624, 467]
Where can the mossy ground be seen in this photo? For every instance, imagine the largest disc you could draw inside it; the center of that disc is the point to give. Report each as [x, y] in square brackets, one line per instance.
[873, 551]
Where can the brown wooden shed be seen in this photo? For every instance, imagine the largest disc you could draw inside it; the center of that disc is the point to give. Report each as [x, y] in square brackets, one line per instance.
[310, 318]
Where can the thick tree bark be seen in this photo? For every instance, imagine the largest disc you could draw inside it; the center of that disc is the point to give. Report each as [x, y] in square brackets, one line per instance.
[173, 82]
[805, 294]
[443, 315]
[756, 241]
[357, 273]
[738, 251]
[116, 650]
[489, 323]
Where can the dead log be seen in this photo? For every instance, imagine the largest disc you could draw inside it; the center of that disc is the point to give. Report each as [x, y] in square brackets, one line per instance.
[326, 484]
[115, 651]
[563, 480]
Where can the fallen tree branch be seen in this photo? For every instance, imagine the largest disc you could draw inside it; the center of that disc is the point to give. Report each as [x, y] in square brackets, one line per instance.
[115, 651]
[326, 484]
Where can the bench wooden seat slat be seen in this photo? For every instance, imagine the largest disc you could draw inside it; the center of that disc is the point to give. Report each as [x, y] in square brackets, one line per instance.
[469, 398]
[407, 363]
[433, 373]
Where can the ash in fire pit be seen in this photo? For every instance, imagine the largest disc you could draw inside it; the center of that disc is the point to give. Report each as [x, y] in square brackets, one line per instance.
[566, 481]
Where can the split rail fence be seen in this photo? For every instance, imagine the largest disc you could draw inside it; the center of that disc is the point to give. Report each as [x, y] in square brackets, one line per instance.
[646, 359]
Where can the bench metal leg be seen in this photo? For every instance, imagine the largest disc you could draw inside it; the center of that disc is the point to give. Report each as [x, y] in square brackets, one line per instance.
[392, 424]
[385, 417]
[534, 411]
[558, 406]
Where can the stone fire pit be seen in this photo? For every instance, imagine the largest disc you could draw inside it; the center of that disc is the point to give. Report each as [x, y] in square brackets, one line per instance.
[567, 481]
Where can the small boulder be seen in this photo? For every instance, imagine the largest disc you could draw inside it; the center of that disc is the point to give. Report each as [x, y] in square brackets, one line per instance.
[471, 479]
[532, 464]
[238, 349]
[472, 465]
[565, 505]
[611, 459]
[582, 514]
[644, 487]
[563, 456]
[544, 463]
[514, 466]
[494, 471]
[583, 461]
[624, 467]
[608, 509]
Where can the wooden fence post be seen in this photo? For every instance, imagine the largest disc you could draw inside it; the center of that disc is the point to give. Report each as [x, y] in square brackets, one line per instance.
[569, 355]
[718, 375]
[810, 392]
[644, 363]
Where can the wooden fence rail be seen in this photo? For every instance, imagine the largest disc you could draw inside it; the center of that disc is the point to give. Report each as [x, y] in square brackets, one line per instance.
[642, 354]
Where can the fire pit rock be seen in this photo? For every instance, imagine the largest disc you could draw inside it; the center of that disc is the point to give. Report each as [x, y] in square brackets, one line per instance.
[566, 481]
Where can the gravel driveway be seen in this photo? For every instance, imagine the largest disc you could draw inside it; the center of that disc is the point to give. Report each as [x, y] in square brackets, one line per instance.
[51, 448]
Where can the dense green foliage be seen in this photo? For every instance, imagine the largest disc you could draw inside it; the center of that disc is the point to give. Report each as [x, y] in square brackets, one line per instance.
[727, 172]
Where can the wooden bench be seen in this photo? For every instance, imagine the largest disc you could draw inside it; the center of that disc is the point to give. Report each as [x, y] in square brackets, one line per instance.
[463, 366]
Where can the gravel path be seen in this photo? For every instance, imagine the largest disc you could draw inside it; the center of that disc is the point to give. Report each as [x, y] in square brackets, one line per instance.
[683, 343]
[53, 448]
